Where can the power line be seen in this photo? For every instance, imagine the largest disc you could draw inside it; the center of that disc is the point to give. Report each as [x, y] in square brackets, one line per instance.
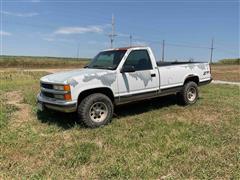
[48, 26]
[112, 35]
[188, 46]
[225, 51]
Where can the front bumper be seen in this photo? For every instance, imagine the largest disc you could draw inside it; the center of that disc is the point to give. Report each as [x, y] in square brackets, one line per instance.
[57, 105]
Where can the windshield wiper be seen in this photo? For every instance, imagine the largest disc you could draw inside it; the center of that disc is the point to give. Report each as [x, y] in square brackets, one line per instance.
[98, 66]
[101, 67]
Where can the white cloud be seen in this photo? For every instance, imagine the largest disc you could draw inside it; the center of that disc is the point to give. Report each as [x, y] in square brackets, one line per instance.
[52, 39]
[4, 33]
[79, 30]
[19, 14]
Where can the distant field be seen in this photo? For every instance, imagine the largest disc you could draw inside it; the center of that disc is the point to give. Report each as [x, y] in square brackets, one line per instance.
[226, 72]
[156, 139]
[230, 61]
[41, 62]
[226, 69]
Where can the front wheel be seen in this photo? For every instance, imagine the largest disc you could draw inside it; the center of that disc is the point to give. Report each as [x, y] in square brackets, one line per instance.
[189, 93]
[95, 110]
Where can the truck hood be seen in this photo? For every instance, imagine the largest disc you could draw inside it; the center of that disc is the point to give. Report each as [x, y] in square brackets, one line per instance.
[68, 76]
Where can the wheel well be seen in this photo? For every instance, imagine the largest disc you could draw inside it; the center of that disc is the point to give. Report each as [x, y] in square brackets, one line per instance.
[192, 78]
[106, 91]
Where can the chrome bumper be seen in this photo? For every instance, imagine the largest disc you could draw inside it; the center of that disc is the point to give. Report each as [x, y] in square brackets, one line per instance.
[57, 105]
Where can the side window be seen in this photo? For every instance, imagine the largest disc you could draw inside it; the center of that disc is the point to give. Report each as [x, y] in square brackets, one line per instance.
[139, 59]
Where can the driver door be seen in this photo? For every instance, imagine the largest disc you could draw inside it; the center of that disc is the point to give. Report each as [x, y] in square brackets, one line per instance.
[143, 80]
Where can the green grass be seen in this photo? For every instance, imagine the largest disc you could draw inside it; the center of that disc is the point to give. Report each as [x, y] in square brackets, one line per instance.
[41, 62]
[147, 140]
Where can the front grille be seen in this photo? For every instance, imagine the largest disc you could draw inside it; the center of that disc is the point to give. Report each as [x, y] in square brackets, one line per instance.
[47, 86]
[46, 94]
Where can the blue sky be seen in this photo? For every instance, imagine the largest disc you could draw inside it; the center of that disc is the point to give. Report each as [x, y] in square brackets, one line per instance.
[61, 28]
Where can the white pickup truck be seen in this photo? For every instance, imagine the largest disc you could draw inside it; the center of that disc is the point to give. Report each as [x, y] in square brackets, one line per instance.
[118, 76]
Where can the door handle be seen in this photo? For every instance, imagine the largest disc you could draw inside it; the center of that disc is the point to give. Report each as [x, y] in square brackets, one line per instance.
[153, 75]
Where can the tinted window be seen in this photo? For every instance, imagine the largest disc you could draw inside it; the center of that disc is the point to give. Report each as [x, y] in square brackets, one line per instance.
[107, 59]
[139, 59]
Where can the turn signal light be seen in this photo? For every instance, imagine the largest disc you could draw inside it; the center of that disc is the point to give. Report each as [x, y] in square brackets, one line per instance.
[67, 97]
[66, 87]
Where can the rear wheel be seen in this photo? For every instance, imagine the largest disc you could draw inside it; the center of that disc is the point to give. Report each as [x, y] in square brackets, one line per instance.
[189, 93]
[95, 110]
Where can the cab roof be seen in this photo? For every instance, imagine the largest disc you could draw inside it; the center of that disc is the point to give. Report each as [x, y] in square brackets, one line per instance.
[126, 48]
[129, 47]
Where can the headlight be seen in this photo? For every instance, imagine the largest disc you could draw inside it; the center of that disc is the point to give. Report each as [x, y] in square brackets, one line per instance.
[58, 87]
[62, 87]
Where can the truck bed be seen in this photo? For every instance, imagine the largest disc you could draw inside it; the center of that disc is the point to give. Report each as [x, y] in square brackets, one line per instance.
[173, 74]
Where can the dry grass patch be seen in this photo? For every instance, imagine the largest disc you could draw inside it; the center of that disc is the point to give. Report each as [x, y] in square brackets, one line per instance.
[226, 72]
[23, 113]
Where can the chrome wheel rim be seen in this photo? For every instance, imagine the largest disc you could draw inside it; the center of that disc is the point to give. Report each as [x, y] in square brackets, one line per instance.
[98, 112]
[191, 94]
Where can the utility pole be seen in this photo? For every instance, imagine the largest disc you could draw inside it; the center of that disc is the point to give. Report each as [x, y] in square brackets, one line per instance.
[130, 40]
[211, 55]
[163, 48]
[78, 48]
[112, 35]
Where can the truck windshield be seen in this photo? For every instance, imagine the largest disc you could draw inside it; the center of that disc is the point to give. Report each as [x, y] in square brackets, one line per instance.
[107, 60]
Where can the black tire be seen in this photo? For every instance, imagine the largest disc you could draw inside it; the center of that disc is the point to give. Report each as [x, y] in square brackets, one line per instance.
[95, 110]
[185, 95]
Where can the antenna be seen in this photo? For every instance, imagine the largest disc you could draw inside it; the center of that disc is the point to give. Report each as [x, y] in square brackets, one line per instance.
[112, 35]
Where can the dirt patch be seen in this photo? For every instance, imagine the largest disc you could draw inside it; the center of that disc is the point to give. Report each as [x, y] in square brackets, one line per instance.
[23, 114]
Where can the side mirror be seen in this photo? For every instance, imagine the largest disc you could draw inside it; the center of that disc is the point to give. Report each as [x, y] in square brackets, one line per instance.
[127, 68]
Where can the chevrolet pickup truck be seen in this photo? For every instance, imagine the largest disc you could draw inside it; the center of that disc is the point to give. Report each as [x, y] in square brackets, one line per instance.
[118, 76]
